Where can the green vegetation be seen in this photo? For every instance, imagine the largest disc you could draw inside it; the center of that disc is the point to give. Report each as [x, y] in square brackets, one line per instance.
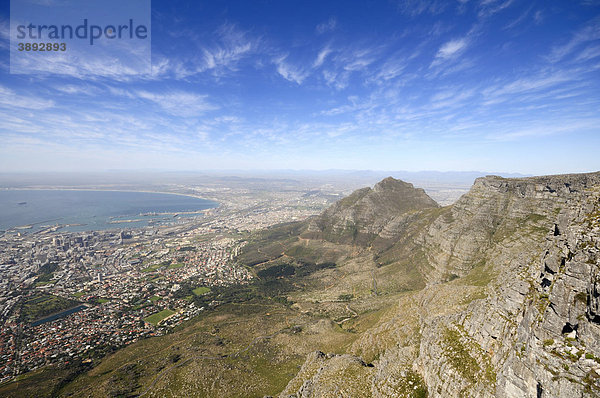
[45, 382]
[200, 291]
[153, 268]
[175, 266]
[45, 274]
[42, 305]
[269, 244]
[548, 342]
[581, 297]
[411, 385]
[277, 271]
[461, 358]
[159, 316]
[305, 268]
[479, 294]
[154, 299]
[246, 352]
[345, 297]
[125, 380]
[78, 294]
[480, 275]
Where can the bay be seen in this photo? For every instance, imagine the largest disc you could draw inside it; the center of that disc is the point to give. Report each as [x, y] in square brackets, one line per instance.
[33, 210]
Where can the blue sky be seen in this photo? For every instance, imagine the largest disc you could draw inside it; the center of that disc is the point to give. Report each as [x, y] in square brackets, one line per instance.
[491, 85]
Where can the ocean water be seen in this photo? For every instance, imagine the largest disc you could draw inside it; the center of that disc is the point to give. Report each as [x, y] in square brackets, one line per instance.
[96, 210]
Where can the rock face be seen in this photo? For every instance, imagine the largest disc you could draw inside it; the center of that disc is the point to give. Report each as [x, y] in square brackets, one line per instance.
[512, 302]
[365, 214]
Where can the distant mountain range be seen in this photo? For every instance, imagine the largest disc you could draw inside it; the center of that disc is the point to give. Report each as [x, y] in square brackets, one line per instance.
[367, 177]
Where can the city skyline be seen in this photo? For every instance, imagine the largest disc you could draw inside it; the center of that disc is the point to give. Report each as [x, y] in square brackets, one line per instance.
[492, 85]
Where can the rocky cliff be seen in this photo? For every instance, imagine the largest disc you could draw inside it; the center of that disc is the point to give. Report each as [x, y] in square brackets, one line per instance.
[369, 212]
[512, 302]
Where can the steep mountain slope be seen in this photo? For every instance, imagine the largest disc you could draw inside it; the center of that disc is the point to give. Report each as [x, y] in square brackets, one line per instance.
[511, 303]
[365, 214]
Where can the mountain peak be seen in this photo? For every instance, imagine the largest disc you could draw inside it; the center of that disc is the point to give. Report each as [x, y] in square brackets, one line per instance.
[360, 217]
[392, 183]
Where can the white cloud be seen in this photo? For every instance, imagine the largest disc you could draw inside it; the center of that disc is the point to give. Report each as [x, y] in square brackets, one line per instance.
[520, 19]
[73, 89]
[538, 17]
[230, 47]
[451, 98]
[179, 103]
[327, 26]
[10, 99]
[321, 57]
[561, 127]
[526, 85]
[338, 80]
[586, 34]
[450, 50]
[589, 53]
[417, 7]
[233, 47]
[82, 66]
[4, 33]
[357, 58]
[391, 69]
[288, 71]
[490, 7]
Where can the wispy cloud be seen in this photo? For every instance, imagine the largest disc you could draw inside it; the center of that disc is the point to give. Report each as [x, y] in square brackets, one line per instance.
[232, 46]
[519, 20]
[391, 69]
[327, 26]
[10, 99]
[76, 89]
[4, 33]
[507, 90]
[336, 79]
[451, 98]
[321, 57]
[417, 7]
[586, 34]
[450, 50]
[588, 53]
[343, 62]
[288, 71]
[84, 66]
[179, 103]
[358, 58]
[491, 7]
[561, 127]
[229, 48]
